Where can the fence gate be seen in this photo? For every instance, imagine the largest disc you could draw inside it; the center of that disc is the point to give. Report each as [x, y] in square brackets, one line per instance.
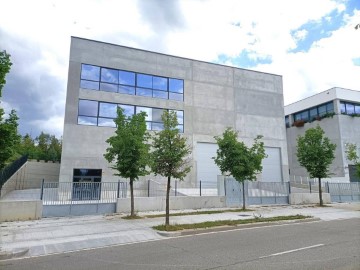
[233, 191]
[344, 192]
[82, 198]
[256, 192]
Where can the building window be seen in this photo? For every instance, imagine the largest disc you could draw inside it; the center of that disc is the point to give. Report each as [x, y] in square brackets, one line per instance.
[349, 107]
[287, 121]
[314, 113]
[131, 83]
[98, 113]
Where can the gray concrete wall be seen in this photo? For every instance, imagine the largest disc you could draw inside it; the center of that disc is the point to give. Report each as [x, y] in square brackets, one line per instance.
[144, 204]
[340, 129]
[20, 210]
[215, 97]
[30, 176]
[308, 198]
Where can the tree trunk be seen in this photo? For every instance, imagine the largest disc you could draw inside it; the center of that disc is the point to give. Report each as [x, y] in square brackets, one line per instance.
[132, 197]
[320, 193]
[243, 193]
[167, 212]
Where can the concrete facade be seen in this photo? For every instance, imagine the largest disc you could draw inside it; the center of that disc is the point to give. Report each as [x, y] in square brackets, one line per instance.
[340, 128]
[20, 210]
[215, 97]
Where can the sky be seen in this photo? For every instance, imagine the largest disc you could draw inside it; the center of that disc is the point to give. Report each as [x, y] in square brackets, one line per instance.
[313, 44]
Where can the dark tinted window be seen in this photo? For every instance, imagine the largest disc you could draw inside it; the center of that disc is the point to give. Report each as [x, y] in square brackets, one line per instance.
[108, 87]
[127, 90]
[88, 121]
[89, 85]
[88, 107]
[144, 92]
[106, 122]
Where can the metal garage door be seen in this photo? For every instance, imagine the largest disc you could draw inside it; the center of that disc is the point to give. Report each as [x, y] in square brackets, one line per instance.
[207, 170]
[272, 165]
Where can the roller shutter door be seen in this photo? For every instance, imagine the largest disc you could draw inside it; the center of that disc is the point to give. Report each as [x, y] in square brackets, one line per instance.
[206, 168]
[272, 165]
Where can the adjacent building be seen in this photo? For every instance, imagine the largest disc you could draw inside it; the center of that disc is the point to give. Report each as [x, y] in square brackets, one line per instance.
[337, 112]
[207, 98]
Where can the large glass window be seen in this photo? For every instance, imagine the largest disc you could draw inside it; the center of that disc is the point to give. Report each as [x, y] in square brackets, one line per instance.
[108, 110]
[126, 78]
[102, 114]
[160, 83]
[88, 107]
[131, 83]
[143, 80]
[91, 73]
[349, 107]
[109, 75]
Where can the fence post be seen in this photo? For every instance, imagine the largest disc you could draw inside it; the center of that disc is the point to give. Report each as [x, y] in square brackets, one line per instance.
[327, 187]
[310, 186]
[148, 188]
[118, 190]
[175, 188]
[289, 187]
[42, 190]
[224, 186]
[200, 188]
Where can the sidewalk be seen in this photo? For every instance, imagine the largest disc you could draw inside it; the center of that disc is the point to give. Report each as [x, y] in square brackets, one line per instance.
[58, 235]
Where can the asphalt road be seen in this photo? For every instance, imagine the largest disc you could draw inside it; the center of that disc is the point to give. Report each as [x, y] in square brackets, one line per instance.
[316, 245]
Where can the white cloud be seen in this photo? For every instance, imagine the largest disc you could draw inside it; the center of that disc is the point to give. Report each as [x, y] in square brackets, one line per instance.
[194, 29]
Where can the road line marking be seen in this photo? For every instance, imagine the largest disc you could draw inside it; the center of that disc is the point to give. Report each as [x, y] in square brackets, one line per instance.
[290, 251]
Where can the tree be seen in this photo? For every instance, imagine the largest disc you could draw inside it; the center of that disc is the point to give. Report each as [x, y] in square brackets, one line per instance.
[315, 153]
[352, 156]
[5, 65]
[170, 157]
[129, 149]
[27, 146]
[235, 158]
[9, 137]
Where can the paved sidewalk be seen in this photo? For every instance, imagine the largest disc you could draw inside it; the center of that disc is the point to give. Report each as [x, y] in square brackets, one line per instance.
[58, 235]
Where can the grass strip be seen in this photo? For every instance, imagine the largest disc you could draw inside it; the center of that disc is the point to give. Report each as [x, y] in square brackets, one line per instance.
[211, 224]
[132, 217]
[199, 213]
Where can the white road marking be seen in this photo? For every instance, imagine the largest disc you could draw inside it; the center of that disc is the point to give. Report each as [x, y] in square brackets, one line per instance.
[290, 251]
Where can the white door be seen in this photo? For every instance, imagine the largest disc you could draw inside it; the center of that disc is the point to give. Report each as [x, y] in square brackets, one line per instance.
[207, 170]
[272, 165]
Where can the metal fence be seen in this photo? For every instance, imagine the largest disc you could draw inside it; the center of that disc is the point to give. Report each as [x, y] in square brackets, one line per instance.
[82, 192]
[344, 192]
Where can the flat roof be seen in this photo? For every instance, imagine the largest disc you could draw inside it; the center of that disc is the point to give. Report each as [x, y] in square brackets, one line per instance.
[323, 97]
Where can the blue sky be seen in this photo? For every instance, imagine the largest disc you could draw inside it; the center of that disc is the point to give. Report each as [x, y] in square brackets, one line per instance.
[312, 44]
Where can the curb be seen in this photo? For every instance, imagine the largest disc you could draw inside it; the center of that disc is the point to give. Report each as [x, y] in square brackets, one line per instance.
[230, 228]
[16, 253]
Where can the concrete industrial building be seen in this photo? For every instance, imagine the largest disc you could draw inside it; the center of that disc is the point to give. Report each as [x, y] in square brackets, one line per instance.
[337, 112]
[208, 98]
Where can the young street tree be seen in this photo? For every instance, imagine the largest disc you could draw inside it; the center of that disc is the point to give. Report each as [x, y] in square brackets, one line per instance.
[170, 157]
[129, 149]
[352, 155]
[315, 153]
[236, 159]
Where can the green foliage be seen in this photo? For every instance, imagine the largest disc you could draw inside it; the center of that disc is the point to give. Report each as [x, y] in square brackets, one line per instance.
[9, 137]
[45, 147]
[5, 65]
[315, 152]
[352, 156]
[170, 156]
[236, 159]
[128, 149]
